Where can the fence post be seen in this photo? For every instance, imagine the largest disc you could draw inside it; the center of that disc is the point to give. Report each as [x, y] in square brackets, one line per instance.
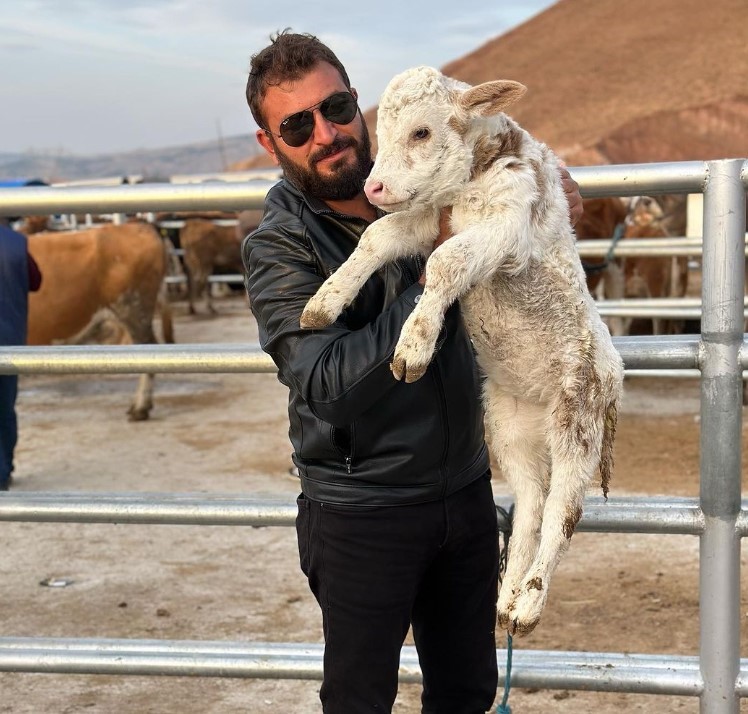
[721, 433]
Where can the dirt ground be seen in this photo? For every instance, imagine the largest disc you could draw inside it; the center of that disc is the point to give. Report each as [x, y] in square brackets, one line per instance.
[228, 434]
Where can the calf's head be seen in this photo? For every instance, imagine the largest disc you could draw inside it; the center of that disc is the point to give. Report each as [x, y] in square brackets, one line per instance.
[428, 127]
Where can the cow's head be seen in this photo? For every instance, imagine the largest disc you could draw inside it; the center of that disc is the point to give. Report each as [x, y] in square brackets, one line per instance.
[644, 211]
[427, 128]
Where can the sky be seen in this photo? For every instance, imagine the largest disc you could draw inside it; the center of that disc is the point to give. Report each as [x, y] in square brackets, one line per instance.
[86, 77]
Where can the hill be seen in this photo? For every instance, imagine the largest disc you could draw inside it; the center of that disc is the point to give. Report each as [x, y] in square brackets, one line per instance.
[152, 164]
[613, 82]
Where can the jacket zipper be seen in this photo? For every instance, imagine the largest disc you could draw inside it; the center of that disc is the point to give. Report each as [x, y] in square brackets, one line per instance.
[349, 457]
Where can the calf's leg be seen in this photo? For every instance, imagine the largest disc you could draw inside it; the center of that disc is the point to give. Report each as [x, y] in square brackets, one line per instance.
[517, 432]
[574, 440]
[389, 238]
[452, 269]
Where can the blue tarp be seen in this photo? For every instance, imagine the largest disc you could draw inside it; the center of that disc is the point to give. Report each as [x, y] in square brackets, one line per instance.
[18, 183]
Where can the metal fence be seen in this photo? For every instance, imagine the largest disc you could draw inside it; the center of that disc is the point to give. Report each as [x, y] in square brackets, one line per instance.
[718, 676]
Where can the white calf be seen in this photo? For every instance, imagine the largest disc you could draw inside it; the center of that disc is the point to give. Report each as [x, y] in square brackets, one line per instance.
[552, 376]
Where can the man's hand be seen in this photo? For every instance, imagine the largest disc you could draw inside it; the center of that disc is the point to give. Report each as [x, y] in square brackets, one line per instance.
[445, 232]
[573, 197]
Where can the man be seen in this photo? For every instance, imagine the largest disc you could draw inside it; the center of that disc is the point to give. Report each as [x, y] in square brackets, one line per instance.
[396, 522]
[18, 274]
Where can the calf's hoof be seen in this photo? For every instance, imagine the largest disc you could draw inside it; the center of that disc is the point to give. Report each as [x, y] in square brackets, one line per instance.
[137, 413]
[400, 368]
[312, 319]
[515, 626]
[522, 614]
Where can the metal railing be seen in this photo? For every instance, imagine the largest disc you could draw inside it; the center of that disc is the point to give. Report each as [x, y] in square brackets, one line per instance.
[595, 182]
[718, 517]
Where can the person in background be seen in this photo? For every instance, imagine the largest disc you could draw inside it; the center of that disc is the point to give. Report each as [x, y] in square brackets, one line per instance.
[396, 525]
[19, 274]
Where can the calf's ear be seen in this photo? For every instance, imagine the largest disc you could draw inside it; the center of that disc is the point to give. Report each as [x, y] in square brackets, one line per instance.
[490, 98]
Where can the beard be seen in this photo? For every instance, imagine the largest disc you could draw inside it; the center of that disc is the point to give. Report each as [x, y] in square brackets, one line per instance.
[344, 182]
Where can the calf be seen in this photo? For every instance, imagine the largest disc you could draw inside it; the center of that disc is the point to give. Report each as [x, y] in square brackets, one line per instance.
[552, 376]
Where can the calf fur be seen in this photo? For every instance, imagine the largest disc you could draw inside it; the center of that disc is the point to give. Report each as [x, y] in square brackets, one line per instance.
[552, 376]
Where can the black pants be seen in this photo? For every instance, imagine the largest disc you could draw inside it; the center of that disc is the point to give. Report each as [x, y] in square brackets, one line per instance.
[377, 570]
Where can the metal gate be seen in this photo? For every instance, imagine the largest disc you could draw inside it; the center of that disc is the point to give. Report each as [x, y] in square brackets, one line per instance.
[717, 676]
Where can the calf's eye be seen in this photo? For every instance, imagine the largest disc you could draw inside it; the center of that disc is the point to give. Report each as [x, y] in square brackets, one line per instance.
[422, 133]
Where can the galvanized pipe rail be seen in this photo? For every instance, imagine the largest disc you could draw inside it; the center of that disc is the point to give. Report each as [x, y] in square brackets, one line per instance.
[663, 516]
[648, 247]
[132, 199]
[602, 672]
[671, 351]
[631, 180]
[718, 676]
[594, 181]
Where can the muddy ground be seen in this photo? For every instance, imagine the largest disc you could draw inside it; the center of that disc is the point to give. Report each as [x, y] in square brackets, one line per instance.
[228, 434]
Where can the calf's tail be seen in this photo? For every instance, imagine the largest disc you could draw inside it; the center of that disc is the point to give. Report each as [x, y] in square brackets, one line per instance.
[164, 307]
[606, 449]
[162, 299]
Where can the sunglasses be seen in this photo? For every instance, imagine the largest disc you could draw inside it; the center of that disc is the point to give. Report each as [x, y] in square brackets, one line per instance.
[338, 108]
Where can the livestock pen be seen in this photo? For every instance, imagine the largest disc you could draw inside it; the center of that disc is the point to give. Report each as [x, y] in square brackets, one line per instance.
[717, 676]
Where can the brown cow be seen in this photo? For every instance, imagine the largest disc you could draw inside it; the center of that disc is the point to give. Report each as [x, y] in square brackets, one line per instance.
[112, 273]
[616, 277]
[209, 247]
[600, 219]
[34, 224]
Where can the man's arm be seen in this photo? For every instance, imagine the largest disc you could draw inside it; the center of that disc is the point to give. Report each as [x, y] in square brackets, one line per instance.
[573, 197]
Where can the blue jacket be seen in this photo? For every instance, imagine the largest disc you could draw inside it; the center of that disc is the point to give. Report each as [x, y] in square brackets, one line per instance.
[14, 287]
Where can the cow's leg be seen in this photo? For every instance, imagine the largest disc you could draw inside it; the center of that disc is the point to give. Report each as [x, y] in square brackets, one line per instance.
[138, 319]
[143, 401]
[517, 436]
[199, 287]
[104, 328]
[389, 238]
[205, 288]
[678, 289]
[163, 304]
[191, 289]
[574, 437]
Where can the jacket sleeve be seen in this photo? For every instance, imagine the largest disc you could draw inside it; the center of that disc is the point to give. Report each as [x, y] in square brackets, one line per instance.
[339, 372]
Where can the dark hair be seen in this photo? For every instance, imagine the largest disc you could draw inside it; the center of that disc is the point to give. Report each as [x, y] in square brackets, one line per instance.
[288, 57]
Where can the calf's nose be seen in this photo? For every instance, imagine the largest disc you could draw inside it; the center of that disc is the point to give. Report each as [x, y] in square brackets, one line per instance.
[373, 190]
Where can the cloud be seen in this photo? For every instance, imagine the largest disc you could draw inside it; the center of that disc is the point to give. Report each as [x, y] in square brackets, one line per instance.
[159, 72]
[38, 33]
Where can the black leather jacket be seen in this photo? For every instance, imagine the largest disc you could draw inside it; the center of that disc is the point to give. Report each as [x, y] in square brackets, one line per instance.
[360, 437]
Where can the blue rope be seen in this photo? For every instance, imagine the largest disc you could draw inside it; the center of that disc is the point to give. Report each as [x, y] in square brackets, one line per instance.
[504, 707]
[620, 229]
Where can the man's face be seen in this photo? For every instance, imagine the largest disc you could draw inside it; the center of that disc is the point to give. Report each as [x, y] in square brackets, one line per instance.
[334, 163]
